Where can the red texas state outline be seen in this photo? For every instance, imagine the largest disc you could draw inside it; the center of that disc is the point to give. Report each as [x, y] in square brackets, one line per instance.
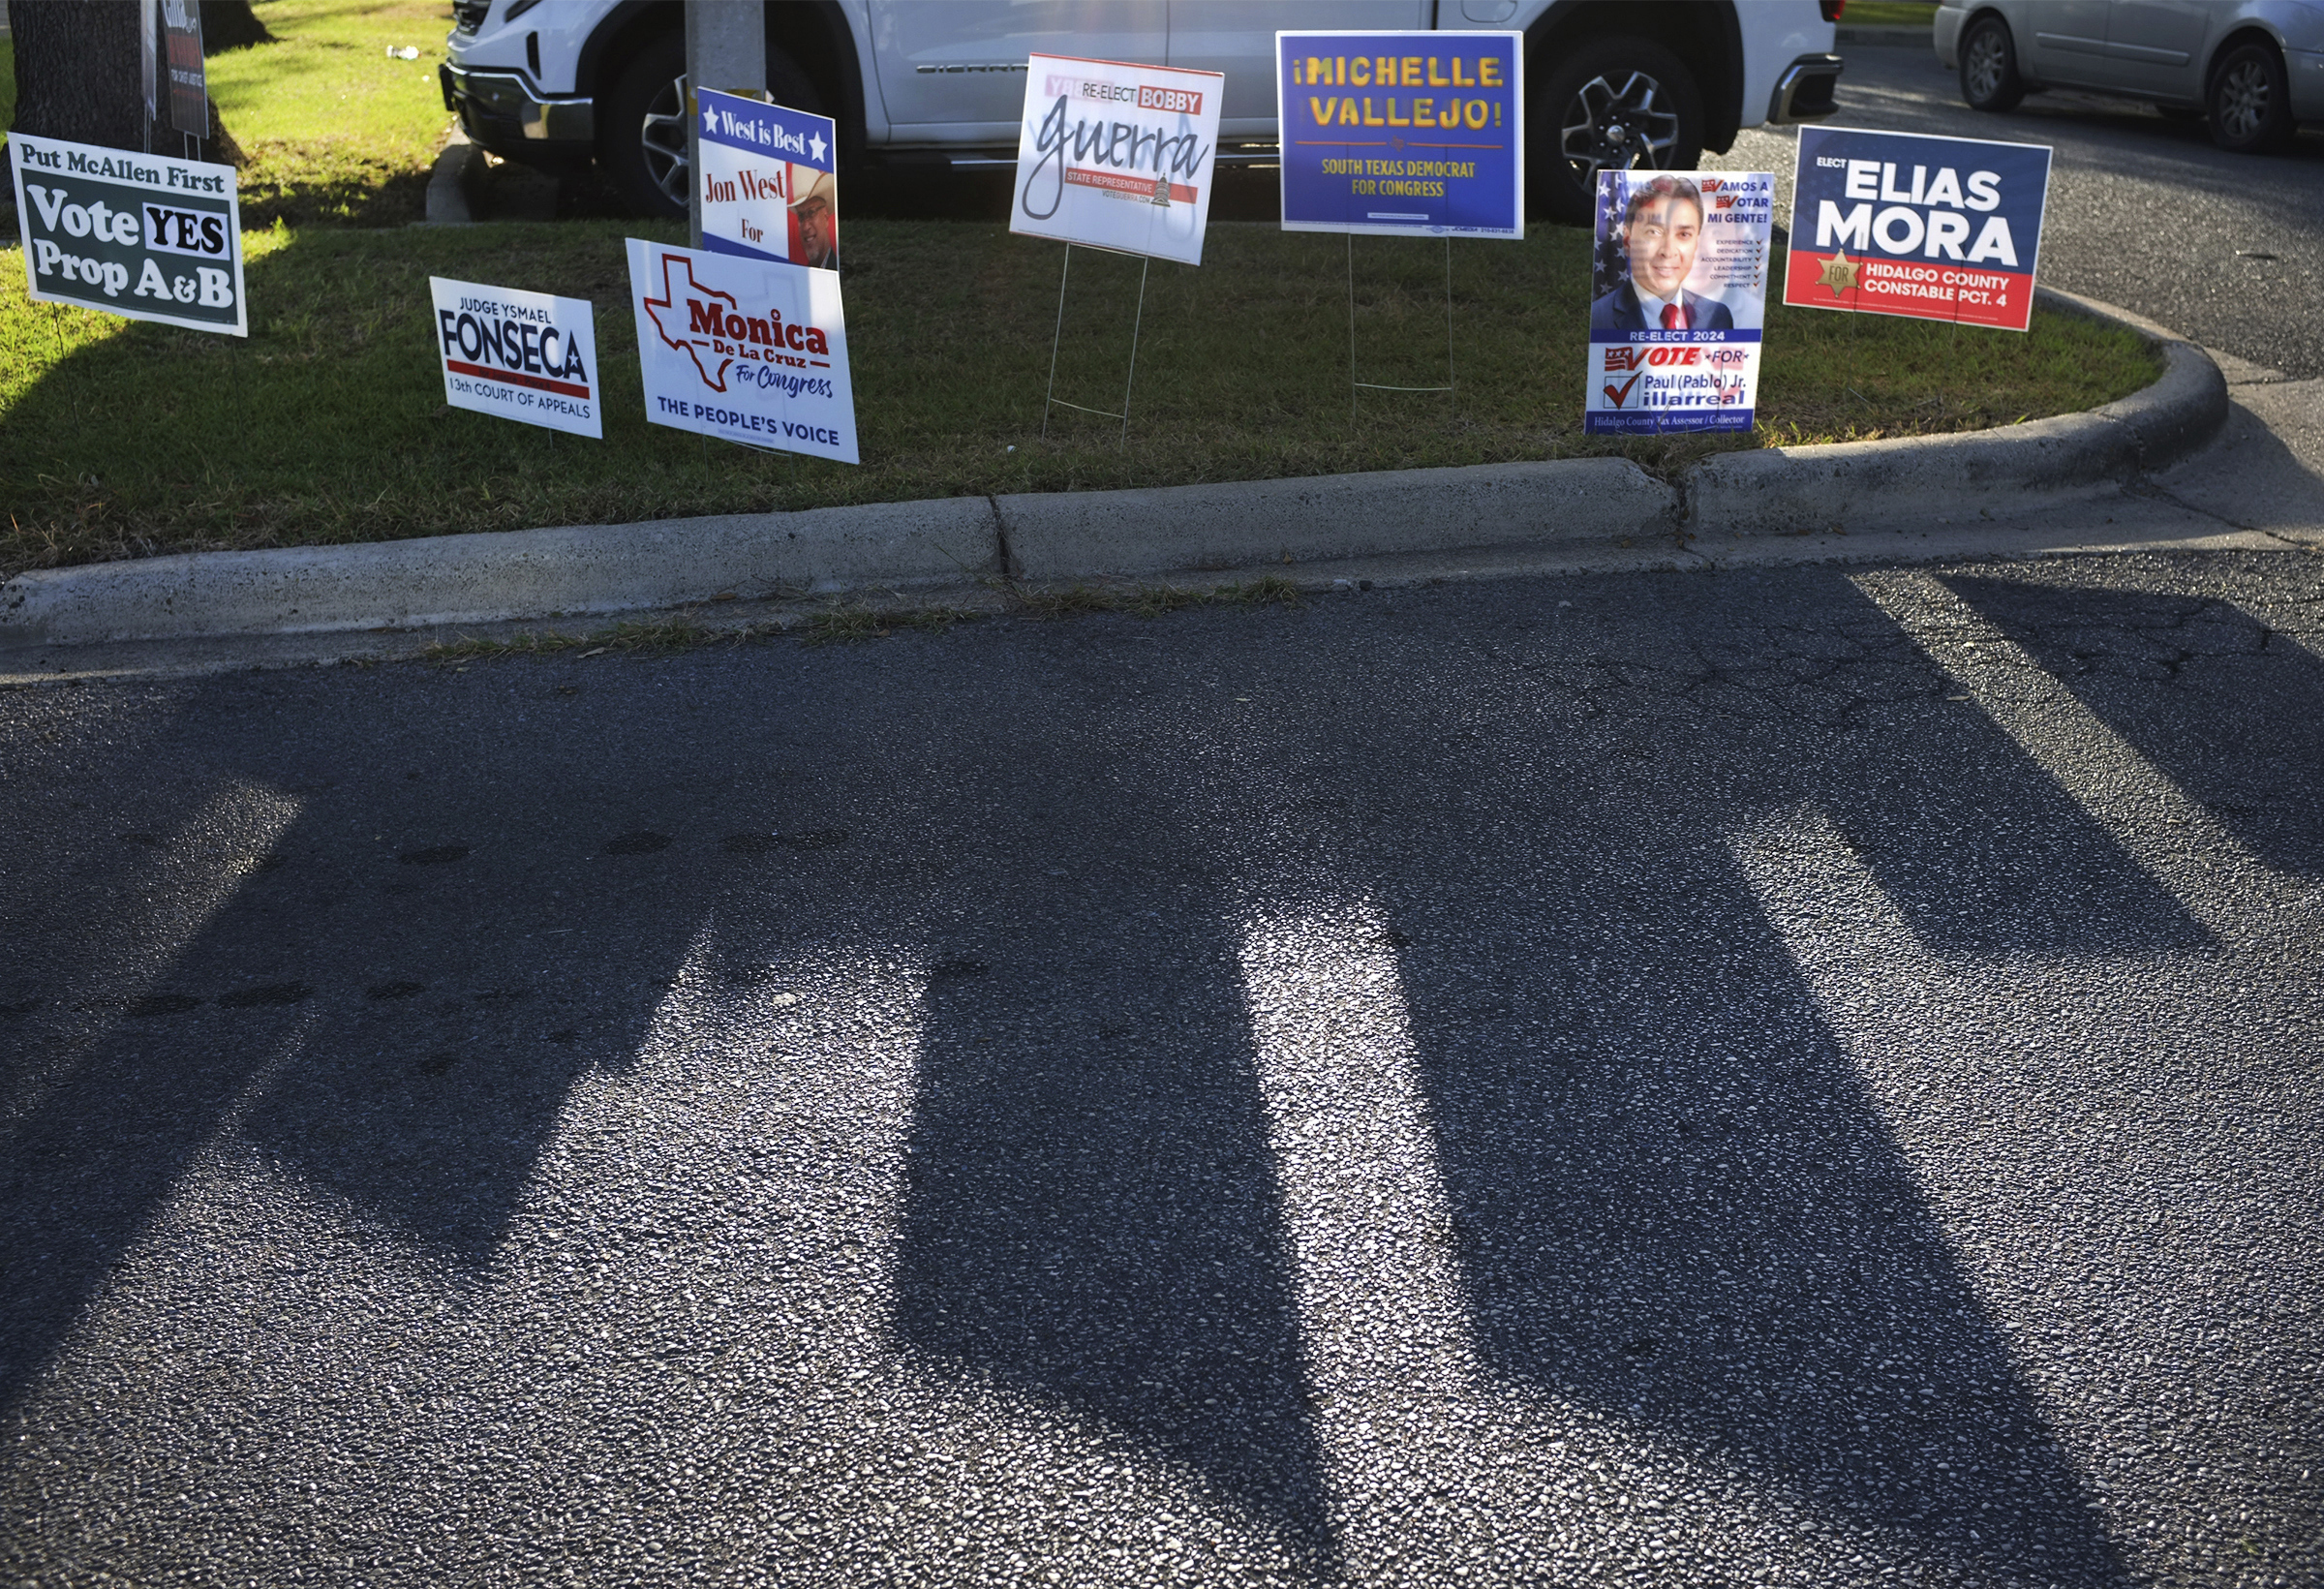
[691, 346]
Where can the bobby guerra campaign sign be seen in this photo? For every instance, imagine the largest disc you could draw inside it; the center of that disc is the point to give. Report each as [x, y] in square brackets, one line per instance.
[750, 351]
[520, 356]
[1115, 155]
[1678, 298]
[1930, 227]
[1414, 135]
[769, 180]
[143, 237]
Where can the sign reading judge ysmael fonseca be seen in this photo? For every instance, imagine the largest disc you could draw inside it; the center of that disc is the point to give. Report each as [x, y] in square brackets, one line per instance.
[520, 356]
[140, 235]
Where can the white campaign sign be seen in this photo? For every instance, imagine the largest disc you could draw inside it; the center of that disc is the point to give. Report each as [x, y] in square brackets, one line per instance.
[750, 351]
[520, 356]
[1117, 156]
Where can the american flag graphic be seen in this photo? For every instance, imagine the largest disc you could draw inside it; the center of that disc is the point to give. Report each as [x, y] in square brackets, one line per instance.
[1610, 265]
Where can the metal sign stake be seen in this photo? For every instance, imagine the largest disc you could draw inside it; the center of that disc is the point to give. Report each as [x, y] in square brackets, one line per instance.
[1451, 386]
[1137, 325]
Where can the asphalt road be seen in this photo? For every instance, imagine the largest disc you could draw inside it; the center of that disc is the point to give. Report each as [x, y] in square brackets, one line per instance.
[1788, 1077]
[2143, 212]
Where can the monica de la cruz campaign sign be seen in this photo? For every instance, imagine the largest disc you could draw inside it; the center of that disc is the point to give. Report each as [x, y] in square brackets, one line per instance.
[1112, 155]
[140, 235]
[748, 351]
[520, 356]
[769, 181]
[1906, 224]
[1402, 134]
[1678, 300]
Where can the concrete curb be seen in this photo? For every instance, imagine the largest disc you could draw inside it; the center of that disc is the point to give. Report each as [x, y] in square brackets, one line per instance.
[454, 182]
[1506, 508]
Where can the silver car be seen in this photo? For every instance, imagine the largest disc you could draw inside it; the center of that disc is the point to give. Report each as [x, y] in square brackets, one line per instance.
[2253, 68]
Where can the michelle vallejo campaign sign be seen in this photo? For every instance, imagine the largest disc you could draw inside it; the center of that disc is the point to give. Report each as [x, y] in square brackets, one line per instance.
[1929, 228]
[1678, 300]
[1402, 134]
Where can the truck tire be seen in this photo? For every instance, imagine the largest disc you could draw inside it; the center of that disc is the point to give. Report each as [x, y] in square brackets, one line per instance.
[1615, 104]
[643, 147]
[1989, 79]
[2251, 100]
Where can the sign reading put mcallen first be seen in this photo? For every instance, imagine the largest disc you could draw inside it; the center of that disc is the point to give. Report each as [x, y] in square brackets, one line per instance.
[140, 235]
[1402, 134]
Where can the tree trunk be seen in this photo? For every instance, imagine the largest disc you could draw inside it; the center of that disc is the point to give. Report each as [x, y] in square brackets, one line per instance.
[230, 24]
[80, 74]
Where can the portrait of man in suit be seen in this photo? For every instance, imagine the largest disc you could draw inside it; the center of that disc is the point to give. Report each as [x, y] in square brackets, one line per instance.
[1661, 227]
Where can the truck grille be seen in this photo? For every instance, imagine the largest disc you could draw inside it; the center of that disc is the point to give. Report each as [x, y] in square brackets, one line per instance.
[468, 16]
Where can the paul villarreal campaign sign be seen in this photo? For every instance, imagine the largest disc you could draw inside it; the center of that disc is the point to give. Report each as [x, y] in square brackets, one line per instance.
[1402, 134]
[1112, 155]
[750, 351]
[143, 237]
[1678, 300]
[520, 356]
[770, 181]
[1930, 228]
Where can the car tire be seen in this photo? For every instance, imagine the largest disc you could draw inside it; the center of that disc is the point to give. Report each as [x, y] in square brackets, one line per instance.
[1989, 79]
[642, 143]
[2251, 100]
[1613, 104]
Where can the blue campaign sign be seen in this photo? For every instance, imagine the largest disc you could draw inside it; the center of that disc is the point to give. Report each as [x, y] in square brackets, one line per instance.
[1408, 134]
[1906, 224]
[769, 181]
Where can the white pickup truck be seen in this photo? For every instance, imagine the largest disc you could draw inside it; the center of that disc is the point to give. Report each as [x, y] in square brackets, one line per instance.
[556, 84]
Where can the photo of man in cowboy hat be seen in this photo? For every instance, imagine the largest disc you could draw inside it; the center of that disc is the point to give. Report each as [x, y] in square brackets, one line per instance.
[815, 220]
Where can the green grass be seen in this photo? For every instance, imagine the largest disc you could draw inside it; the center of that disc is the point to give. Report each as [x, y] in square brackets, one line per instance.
[330, 127]
[8, 83]
[1889, 13]
[328, 423]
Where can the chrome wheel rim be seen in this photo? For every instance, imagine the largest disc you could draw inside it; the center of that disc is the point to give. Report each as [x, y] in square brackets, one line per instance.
[1986, 61]
[1617, 129]
[2242, 100]
[661, 137]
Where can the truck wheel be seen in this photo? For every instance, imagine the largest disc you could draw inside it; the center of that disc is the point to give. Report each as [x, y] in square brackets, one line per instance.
[2251, 100]
[643, 143]
[1615, 104]
[1989, 79]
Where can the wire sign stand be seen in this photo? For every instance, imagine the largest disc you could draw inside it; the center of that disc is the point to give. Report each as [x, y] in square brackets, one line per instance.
[1451, 386]
[1137, 323]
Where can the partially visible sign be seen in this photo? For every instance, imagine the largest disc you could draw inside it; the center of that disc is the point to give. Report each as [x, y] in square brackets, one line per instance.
[1402, 134]
[520, 356]
[750, 351]
[1117, 156]
[189, 83]
[1906, 224]
[140, 235]
[770, 181]
[1678, 300]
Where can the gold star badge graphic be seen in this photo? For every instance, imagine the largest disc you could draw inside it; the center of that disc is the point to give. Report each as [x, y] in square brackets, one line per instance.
[1838, 274]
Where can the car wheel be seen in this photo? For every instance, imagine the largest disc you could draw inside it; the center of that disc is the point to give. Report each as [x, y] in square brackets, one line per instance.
[1989, 79]
[644, 134]
[2251, 100]
[1615, 104]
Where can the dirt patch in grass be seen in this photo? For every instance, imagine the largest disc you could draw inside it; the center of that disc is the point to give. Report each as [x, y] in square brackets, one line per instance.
[328, 423]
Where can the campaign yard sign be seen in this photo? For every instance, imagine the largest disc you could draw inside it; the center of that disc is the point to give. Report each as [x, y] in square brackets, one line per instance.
[1118, 156]
[520, 356]
[1907, 224]
[1402, 134]
[748, 351]
[1678, 300]
[769, 180]
[144, 236]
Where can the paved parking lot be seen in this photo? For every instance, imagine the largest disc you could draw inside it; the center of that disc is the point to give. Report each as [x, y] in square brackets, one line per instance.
[1791, 1077]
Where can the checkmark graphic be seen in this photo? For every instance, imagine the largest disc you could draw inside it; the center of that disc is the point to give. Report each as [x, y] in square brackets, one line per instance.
[1616, 394]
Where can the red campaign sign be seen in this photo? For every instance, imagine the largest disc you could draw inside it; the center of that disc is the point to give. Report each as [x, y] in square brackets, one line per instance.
[1876, 285]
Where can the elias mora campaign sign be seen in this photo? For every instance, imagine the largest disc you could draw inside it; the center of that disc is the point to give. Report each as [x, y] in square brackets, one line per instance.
[1906, 224]
[1402, 134]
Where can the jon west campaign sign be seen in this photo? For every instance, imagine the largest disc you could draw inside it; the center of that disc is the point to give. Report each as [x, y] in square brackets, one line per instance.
[750, 351]
[1117, 156]
[1678, 300]
[769, 181]
[140, 235]
[520, 356]
[1402, 134]
[1903, 224]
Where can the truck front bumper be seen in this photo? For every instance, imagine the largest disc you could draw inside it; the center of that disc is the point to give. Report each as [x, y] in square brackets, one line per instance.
[500, 111]
[1804, 92]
